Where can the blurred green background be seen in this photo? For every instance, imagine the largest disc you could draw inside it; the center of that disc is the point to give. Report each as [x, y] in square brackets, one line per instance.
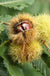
[30, 6]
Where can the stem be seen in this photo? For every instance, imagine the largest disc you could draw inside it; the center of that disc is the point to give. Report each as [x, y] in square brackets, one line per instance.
[23, 49]
[5, 23]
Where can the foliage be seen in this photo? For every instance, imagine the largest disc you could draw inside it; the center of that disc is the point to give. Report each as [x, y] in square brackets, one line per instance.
[42, 67]
[3, 70]
[8, 9]
[17, 4]
[22, 69]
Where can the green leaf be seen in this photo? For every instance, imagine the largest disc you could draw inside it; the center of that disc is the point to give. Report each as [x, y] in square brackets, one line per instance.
[13, 70]
[41, 67]
[24, 69]
[35, 8]
[2, 39]
[16, 4]
[5, 18]
[46, 59]
[38, 7]
[2, 50]
[29, 70]
[1, 27]
[3, 70]
[46, 50]
[3, 42]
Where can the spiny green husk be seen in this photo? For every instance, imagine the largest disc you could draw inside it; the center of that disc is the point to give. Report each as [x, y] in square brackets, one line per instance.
[33, 48]
[43, 23]
[32, 51]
